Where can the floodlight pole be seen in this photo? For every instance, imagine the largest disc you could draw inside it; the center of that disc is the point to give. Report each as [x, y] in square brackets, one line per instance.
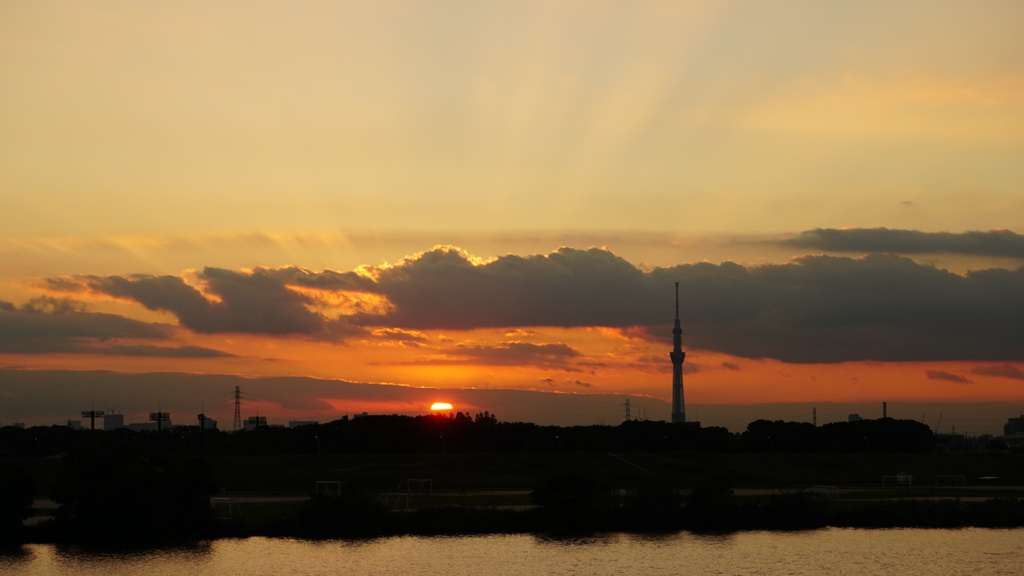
[159, 418]
[92, 415]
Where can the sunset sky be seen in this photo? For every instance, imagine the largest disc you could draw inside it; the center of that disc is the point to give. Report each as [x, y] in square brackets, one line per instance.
[462, 199]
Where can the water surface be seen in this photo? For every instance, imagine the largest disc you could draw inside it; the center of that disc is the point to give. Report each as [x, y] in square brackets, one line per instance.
[833, 551]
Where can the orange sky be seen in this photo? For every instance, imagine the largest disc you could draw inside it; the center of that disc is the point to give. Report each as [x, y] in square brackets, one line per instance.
[423, 324]
[257, 189]
[628, 368]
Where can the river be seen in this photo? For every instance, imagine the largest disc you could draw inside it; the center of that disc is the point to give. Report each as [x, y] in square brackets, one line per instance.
[832, 551]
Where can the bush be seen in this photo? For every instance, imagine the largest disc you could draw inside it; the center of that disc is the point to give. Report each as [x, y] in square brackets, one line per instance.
[16, 489]
[126, 498]
[712, 505]
[572, 502]
[347, 515]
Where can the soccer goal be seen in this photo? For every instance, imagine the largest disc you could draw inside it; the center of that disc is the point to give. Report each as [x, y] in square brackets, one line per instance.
[394, 500]
[224, 508]
[422, 486]
[328, 488]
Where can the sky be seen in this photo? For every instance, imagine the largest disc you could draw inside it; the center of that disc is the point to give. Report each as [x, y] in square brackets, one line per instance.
[372, 206]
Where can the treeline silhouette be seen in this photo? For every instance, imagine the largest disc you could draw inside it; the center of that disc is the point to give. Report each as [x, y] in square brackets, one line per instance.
[463, 433]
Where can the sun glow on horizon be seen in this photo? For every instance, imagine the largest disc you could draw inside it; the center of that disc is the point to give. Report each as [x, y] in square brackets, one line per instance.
[438, 406]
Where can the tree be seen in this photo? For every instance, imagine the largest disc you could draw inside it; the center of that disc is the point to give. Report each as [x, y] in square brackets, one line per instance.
[485, 418]
[712, 504]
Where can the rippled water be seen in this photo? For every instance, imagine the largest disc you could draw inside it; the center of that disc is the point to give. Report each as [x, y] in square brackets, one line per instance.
[907, 552]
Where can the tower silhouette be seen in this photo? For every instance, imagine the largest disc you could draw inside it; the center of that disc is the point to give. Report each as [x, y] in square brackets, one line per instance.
[237, 424]
[677, 355]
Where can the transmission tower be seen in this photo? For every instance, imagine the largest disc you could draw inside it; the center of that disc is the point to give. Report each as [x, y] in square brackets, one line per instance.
[628, 415]
[238, 410]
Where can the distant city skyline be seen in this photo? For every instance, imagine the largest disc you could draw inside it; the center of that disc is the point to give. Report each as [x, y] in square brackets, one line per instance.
[57, 398]
[456, 198]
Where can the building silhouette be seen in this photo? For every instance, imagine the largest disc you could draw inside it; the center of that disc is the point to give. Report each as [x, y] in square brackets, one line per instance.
[1014, 426]
[113, 421]
[297, 423]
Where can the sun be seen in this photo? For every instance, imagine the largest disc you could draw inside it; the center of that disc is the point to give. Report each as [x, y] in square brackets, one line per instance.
[440, 406]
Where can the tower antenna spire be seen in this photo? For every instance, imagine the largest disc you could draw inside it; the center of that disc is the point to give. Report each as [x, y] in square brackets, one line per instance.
[677, 355]
[677, 300]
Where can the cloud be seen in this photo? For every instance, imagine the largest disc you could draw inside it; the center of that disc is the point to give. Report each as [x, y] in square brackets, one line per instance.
[878, 307]
[865, 240]
[254, 302]
[1001, 371]
[48, 325]
[948, 376]
[445, 288]
[578, 383]
[399, 335]
[812, 309]
[67, 318]
[161, 351]
[730, 366]
[517, 354]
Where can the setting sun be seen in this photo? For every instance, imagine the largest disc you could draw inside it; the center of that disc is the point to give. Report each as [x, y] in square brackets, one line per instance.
[441, 406]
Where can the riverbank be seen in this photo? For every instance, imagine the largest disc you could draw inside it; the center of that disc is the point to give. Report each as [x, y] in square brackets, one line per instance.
[362, 516]
[581, 492]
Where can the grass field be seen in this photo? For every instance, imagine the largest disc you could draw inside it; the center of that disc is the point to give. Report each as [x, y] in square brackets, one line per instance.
[497, 472]
[267, 493]
[476, 473]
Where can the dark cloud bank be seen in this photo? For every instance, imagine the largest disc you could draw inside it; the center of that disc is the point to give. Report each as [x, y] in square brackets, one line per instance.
[56, 395]
[1003, 243]
[47, 325]
[46, 397]
[812, 309]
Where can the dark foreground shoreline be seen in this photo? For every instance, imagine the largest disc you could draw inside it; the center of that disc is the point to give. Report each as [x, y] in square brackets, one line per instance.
[118, 498]
[323, 518]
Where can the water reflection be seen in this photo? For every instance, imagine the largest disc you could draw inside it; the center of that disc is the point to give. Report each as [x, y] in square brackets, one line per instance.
[909, 552]
[715, 539]
[15, 557]
[573, 540]
[73, 551]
